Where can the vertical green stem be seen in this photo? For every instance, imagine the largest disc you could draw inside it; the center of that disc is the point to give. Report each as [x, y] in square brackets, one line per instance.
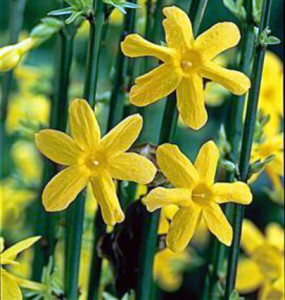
[149, 240]
[58, 120]
[16, 15]
[118, 92]
[246, 147]
[93, 55]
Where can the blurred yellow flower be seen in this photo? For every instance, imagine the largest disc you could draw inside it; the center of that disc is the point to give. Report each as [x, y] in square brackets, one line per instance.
[13, 200]
[196, 194]
[90, 159]
[271, 145]
[27, 161]
[185, 63]
[26, 77]
[165, 270]
[10, 284]
[271, 90]
[11, 55]
[263, 269]
[33, 109]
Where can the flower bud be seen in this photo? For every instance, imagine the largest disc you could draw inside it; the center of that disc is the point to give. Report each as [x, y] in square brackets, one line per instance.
[10, 56]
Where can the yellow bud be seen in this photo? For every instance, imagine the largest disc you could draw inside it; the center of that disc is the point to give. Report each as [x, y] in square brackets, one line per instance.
[10, 56]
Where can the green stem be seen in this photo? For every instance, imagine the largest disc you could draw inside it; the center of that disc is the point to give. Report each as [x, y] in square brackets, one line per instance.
[118, 92]
[58, 120]
[234, 136]
[198, 8]
[246, 147]
[17, 8]
[74, 231]
[93, 55]
[75, 214]
[149, 240]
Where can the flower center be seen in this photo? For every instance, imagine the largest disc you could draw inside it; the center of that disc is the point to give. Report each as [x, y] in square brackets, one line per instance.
[190, 61]
[94, 162]
[202, 194]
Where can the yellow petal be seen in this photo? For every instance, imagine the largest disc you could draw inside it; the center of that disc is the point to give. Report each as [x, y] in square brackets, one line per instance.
[176, 166]
[166, 215]
[14, 250]
[237, 192]
[275, 235]
[269, 260]
[6, 261]
[234, 81]
[251, 237]
[2, 242]
[64, 187]
[249, 277]
[83, 124]
[105, 194]
[182, 228]
[218, 38]
[9, 288]
[218, 223]
[178, 29]
[28, 284]
[207, 161]
[269, 292]
[132, 167]
[135, 46]
[161, 197]
[191, 102]
[154, 85]
[121, 137]
[58, 146]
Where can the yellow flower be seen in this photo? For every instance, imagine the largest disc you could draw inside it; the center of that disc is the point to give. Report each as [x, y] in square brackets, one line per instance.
[271, 91]
[27, 76]
[90, 159]
[263, 268]
[13, 201]
[27, 161]
[33, 109]
[10, 284]
[10, 56]
[272, 145]
[168, 277]
[196, 194]
[185, 63]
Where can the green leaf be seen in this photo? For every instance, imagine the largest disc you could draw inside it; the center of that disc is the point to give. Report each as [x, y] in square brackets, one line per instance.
[227, 165]
[60, 12]
[121, 4]
[273, 40]
[236, 8]
[265, 39]
[46, 28]
[72, 17]
[235, 296]
[256, 10]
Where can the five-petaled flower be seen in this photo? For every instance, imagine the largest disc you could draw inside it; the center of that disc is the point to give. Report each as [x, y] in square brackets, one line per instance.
[263, 268]
[195, 193]
[185, 63]
[90, 158]
[10, 284]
